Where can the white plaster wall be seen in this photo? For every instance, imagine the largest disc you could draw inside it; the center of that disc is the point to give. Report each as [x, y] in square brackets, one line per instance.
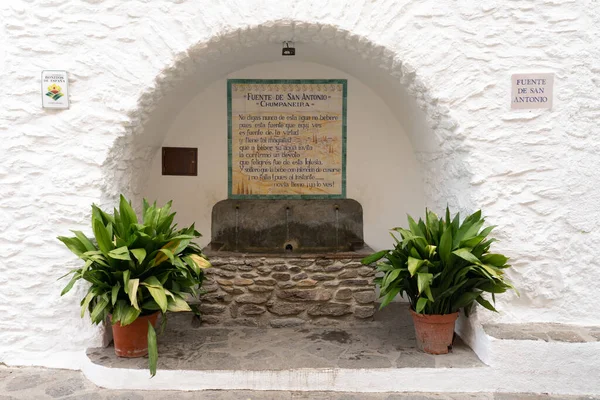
[380, 155]
[534, 172]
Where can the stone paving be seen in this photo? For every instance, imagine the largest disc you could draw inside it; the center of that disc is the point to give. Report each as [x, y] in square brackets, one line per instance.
[42, 384]
[388, 342]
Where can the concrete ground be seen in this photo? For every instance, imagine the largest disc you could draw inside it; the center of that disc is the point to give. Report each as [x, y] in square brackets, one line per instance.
[42, 383]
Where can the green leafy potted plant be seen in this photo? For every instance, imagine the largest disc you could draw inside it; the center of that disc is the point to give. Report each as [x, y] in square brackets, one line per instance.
[442, 266]
[136, 271]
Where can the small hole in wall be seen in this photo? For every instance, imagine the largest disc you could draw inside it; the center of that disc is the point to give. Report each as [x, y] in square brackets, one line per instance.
[289, 248]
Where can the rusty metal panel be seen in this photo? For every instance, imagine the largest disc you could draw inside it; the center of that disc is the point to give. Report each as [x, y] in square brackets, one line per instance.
[180, 161]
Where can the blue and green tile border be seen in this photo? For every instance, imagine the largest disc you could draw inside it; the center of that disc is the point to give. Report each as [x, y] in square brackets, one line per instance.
[230, 82]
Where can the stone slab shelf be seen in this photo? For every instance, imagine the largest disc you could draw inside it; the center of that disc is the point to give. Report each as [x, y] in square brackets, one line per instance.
[388, 343]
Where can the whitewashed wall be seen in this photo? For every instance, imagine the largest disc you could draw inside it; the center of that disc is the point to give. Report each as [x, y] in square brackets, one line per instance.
[380, 156]
[135, 65]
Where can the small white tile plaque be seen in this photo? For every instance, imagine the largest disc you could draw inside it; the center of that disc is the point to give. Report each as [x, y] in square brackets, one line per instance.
[532, 91]
[55, 89]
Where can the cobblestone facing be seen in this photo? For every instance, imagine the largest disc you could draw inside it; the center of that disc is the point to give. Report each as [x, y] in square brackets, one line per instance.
[47, 384]
[284, 292]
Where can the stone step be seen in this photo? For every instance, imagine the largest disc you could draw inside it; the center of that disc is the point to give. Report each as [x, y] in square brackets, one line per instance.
[41, 383]
[547, 332]
[378, 357]
[311, 357]
[188, 346]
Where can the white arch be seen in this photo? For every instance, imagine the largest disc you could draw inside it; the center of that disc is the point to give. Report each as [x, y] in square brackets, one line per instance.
[432, 131]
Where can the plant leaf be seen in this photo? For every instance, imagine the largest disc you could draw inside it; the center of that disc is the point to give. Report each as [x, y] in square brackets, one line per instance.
[414, 227]
[495, 273]
[465, 300]
[465, 254]
[421, 303]
[486, 231]
[86, 301]
[152, 349]
[121, 253]
[69, 286]
[423, 281]
[128, 314]
[413, 265]
[97, 315]
[389, 278]
[115, 293]
[389, 297]
[497, 260]
[493, 287]
[200, 261]
[103, 237]
[157, 292]
[126, 275]
[132, 287]
[430, 250]
[74, 245]
[164, 254]
[428, 293]
[150, 305]
[445, 248]
[139, 254]
[432, 225]
[485, 303]
[177, 304]
[85, 241]
[128, 216]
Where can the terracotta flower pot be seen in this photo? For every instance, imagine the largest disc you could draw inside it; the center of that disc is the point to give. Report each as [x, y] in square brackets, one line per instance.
[434, 332]
[132, 340]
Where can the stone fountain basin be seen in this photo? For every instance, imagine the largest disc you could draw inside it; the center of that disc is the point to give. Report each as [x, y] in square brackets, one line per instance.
[286, 263]
[287, 226]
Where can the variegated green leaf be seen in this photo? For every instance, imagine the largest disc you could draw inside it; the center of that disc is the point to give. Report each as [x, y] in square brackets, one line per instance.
[132, 288]
[413, 265]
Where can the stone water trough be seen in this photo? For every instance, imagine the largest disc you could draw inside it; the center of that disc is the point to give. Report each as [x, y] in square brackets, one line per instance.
[287, 262]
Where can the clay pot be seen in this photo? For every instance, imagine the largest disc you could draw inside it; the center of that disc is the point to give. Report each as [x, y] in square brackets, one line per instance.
[132, 340]
[434, 332]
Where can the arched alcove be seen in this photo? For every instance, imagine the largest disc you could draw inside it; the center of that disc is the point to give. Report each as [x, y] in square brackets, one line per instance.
[435, 157]
[380, 157]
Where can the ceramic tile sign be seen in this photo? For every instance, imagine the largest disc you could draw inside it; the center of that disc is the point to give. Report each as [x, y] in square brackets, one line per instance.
[55, 89]
[532, 91]
[287, 138]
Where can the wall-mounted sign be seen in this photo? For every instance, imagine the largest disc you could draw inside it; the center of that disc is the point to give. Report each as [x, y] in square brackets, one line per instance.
[55, 89]
[532, 91]
[287, 138]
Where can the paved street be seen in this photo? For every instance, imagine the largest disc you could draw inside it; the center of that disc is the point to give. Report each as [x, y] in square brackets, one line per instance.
[41, 383]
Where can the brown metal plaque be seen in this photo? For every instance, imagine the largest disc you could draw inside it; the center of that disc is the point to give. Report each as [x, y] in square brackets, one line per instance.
[180, 161]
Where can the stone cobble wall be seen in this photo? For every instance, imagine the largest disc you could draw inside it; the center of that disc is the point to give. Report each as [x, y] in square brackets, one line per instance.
[284, 292]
